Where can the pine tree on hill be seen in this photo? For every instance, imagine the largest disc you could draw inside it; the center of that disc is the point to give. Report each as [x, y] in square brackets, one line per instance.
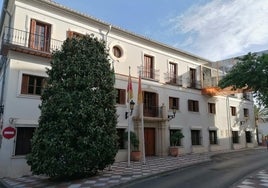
[76, 136]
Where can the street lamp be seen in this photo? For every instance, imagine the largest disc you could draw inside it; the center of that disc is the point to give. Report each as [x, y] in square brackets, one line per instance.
[131, 107]
[170, 117]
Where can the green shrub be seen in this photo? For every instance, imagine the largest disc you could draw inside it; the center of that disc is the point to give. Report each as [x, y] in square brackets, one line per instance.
[77, 135]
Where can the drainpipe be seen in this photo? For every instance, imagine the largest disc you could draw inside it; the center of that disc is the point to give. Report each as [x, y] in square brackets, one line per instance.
[106, 35]
[229, 122]
[4, 62]
[106, 42]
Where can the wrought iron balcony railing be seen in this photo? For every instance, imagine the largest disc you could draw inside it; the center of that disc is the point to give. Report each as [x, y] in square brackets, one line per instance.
[148, 73]
[173, 79]
[152, 111]
[24, 39]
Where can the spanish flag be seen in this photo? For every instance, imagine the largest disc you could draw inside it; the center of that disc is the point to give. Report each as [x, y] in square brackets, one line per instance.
[129, 89]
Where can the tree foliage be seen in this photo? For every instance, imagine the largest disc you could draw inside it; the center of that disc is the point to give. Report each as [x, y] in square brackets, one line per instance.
[251, 71]
[260, 113]
[76, 136]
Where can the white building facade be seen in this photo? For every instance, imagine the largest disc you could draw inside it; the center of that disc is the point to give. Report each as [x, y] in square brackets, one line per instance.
[32, 29]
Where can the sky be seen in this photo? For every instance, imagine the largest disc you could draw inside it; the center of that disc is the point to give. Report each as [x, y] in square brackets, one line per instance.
[212, 29]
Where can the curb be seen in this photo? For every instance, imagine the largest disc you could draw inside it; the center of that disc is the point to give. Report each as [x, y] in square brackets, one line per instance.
[4, 184]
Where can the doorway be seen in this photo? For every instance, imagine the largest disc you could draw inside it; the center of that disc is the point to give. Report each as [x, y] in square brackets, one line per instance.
[149, 141]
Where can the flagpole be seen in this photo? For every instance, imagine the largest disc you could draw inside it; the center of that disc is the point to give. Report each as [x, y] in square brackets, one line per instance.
[128, 137]
[140, 101]
[142, 132]
[128, 121]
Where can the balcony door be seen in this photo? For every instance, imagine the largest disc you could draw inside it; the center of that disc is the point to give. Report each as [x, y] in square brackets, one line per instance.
[40, 36]
[150, 105]
[192, 78]
[148, 71]
[173, 72]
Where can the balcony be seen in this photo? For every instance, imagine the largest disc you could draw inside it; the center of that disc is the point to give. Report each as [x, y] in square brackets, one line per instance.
[173, 79]
[152, 114]
[210, 82]
[149, 73]
[152, 111]
[29, 43]
[194, 84]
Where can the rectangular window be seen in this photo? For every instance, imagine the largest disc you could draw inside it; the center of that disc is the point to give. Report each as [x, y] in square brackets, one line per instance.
[172, 132]
[23, 140]
[235, 137]
[193, 106]
[120, 96]
[248, 137]
[173, 72]
[212, 108]
[233, 111]
[246, 112]
[213, 137]
[148, 71]
[196, 137]
[174, 103]
[32, 85]
[40, 35]
[121, 141]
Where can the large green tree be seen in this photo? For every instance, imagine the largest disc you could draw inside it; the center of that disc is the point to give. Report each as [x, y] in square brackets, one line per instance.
[76, 136]
[251, 71]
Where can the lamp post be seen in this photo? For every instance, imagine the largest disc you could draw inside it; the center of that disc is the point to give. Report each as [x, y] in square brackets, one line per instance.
[128, 114]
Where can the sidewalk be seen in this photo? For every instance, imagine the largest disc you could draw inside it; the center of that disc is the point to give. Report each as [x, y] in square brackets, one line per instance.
[118, 174]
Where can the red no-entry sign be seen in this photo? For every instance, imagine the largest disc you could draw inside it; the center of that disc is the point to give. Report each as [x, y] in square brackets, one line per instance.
[9, 132]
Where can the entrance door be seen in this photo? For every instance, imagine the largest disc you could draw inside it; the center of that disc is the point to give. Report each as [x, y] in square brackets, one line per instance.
[149, 141]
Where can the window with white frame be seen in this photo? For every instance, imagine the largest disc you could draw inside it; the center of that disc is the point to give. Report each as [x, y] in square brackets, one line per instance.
[120, 135]
[235, 137]
[120, 96]
[174, 102]
[23, 140]
[248, 137]
[196, 137]
[193, 106]
[211, 108]
[32, 85]
[213, 137]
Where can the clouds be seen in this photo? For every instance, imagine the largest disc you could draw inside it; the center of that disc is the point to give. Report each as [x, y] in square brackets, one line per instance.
[223, 28]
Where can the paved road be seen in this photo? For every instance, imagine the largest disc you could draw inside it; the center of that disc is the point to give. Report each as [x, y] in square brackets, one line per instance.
[222, 172]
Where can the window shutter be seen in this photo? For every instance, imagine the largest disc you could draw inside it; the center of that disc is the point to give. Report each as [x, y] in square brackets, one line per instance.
[24, 84]
[32, 33]
[70, 34]
[190, 108]
[47, 37]
[170, 102]
[122, 96]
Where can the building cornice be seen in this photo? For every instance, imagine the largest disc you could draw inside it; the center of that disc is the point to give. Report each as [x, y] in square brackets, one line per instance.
[122, 32]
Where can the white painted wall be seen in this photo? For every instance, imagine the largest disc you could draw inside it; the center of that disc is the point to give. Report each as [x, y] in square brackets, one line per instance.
[24, 109]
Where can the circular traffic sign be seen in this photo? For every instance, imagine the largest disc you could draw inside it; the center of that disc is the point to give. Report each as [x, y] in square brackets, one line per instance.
[9, 132]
